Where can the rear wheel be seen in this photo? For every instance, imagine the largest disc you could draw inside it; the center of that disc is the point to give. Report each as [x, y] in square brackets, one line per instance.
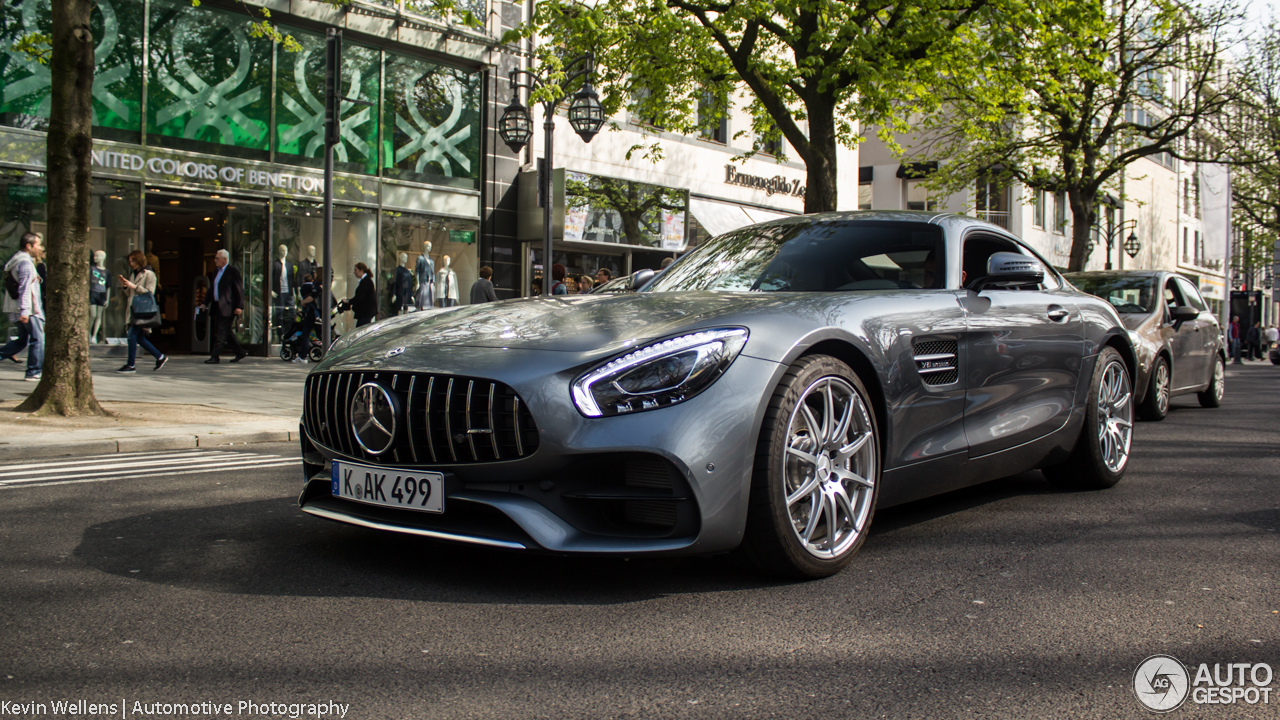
[286, 353]
[1101, 453]
[1211, 397]
[315, 354]
[817, 470]
[1155, 406]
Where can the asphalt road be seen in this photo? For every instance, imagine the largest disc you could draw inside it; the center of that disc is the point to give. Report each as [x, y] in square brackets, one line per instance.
[1008, 600]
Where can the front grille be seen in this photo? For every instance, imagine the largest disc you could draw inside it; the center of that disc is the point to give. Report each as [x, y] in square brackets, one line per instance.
[936, 361]
[442, 419]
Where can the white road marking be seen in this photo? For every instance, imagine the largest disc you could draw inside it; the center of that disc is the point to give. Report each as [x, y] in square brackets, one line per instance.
[136, 465]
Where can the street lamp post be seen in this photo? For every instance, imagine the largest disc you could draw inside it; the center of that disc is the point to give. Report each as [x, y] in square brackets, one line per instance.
[1131, 245]
[586, 115]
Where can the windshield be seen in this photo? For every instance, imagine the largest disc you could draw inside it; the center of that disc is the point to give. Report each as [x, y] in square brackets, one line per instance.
[1131, 295]
[813, 256]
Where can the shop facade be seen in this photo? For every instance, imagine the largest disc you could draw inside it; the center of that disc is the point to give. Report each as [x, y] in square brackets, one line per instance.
[208, 138]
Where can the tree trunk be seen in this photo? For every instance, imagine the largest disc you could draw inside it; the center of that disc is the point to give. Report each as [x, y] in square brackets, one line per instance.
[66, 387]
[1083, 213]
[820, 192]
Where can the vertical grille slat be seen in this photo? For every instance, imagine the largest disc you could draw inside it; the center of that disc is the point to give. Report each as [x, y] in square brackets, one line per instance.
[448, 428]
[493, 426]
[471, 386]
[474, 410]
[408, 420]
[431, 444]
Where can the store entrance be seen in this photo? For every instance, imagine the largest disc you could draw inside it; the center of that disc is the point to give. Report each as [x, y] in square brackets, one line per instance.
[181, 235]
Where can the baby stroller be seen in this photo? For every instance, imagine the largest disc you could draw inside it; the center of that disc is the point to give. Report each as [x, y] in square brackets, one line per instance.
[302, 336]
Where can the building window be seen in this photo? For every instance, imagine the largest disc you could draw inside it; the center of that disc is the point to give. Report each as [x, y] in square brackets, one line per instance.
[772, 146]
[711, 128]
[1195, 193]
[1037, 210]
[991, 202]
[431, 123]
[1186, 196]
[1186, 250]
[864, 196]
[1059, 213]
[1199, 249]
[918, 196]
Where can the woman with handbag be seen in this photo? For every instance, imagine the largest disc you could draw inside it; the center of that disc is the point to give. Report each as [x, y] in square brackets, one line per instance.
[144, 311]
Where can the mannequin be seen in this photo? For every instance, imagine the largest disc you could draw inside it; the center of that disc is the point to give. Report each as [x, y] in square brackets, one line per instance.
[426, 272]
[307, 265]
[99, 293]
[284, 285]
[447, 283]
[402, 299]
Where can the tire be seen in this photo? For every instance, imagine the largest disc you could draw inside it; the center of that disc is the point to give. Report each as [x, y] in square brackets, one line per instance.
[1155, 406]
[820, 447]
[315, 354]
[286, 353]
[1211, 397]
[1101, 453]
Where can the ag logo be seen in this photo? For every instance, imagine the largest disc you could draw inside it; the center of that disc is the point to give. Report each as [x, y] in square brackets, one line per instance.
[1161, 683]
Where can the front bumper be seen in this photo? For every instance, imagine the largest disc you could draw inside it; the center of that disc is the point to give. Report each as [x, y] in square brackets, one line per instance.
[669, 481]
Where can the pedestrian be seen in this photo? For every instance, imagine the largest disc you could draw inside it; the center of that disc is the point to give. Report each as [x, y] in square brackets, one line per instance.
[585, 284]
[482, 291]
[22, 302]
[1273, 335]
[144, 311]
[1254, 340]
[603, 275]
[1233, 339]
[226, 304]
[557, 280]
[364, 305]
[666, 263]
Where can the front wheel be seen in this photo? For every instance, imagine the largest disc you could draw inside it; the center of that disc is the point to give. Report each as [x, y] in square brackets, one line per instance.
[1101, 453]
[1155, 406]
[817, 471]
[1211, 397]
[286, 353]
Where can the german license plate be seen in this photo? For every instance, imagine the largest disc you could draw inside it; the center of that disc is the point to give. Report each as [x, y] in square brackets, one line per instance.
[405, 489]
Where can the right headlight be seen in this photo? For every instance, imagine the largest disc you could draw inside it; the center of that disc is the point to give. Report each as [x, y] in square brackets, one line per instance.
[660, 375]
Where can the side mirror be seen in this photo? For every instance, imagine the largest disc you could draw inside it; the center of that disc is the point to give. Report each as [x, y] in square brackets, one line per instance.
[1183, 313]
[639, 279]
[1006, 268]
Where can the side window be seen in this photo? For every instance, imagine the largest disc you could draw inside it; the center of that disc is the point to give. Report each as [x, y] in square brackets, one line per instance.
[978, 248]
[1172, 297]
[1192, 295]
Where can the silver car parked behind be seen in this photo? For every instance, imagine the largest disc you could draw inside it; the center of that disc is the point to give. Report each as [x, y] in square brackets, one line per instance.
[766, 394]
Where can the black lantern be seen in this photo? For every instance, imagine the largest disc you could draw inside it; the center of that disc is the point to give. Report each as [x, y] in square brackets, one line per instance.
[515, 126]
[586, 115]
[1131, 245]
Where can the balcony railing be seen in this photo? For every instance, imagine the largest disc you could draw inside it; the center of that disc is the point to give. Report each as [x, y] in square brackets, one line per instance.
[995, 217]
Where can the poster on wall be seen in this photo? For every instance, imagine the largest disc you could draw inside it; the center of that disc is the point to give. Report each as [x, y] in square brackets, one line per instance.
[577, 210]
[673, 230]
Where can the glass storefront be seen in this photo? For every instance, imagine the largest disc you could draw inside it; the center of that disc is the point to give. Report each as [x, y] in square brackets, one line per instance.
[299, 229]
[425, 262]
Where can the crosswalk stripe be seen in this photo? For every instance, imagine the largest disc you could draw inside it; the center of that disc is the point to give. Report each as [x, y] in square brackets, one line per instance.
[212, 464]
[121, 457]
[9, 471]
[46, 482]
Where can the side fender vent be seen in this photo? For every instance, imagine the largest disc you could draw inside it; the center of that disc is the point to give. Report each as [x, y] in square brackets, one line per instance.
[936, 361]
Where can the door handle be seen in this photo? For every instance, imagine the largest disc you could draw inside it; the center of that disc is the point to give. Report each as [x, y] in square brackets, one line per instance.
[1057, 313]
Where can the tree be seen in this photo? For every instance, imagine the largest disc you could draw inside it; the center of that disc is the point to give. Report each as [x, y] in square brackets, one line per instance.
[1082, 90]
[1250, 133]
[66, 385]
[806, 70]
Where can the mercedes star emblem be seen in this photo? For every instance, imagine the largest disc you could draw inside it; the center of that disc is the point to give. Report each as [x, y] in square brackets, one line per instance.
[373, 418]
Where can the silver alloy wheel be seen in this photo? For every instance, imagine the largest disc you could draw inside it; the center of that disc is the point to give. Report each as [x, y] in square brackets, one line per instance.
[830, 467]
[1162, 387]
[1219, 379]
[1115, 416]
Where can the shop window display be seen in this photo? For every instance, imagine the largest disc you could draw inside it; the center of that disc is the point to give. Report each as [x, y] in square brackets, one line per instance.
[413, 272]
[299, 227]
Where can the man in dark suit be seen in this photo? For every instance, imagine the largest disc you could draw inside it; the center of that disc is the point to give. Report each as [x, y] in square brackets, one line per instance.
[226, 302]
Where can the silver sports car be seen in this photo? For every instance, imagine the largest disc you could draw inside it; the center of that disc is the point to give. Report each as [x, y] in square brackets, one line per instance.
[766, 394]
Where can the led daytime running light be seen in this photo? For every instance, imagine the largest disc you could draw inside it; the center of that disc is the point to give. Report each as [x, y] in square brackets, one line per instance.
[582, 394]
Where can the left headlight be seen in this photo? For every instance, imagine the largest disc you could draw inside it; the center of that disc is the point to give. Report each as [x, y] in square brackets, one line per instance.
[659, 375]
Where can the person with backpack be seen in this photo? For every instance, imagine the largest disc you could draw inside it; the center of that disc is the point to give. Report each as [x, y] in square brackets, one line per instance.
[557, 275]
[22, 302]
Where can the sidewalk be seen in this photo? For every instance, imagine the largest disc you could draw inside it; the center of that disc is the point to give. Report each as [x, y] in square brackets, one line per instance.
[187, 404]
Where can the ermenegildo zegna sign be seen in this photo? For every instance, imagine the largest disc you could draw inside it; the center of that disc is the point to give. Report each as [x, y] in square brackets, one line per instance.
[772, 186]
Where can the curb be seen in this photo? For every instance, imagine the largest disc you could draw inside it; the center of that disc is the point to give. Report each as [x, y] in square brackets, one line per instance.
[144, 444]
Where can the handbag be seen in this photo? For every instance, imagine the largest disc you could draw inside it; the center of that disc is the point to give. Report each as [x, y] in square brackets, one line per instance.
[145, 311]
